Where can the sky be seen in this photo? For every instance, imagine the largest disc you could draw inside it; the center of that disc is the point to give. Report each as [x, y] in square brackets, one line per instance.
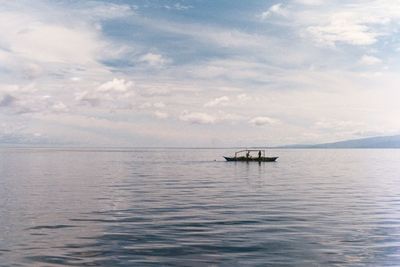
[198, 73]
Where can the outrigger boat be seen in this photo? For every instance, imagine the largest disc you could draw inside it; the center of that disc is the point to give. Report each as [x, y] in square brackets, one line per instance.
[245, 155]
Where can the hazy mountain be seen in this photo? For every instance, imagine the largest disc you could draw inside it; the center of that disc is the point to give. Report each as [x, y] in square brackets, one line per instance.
[372, 142]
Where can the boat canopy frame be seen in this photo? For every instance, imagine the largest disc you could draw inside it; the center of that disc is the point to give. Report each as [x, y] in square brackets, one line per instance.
[250, 150]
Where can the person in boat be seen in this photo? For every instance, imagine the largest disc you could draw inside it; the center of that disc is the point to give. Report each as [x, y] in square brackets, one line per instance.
[259, 154]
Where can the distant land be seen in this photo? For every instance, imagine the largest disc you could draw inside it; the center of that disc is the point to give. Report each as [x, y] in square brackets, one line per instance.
[371, 142]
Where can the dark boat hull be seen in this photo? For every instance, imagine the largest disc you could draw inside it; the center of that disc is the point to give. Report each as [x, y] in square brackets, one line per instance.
[262, 159]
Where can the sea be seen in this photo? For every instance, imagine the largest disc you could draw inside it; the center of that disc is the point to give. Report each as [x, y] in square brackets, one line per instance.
[188, 207]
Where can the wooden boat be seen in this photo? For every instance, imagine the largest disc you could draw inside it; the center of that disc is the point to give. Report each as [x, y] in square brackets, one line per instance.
[260, 157]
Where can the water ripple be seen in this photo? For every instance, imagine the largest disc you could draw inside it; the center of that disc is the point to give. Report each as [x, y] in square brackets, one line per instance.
[157, 208]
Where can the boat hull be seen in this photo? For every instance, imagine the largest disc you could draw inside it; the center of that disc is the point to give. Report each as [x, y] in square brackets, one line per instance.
[262, 159]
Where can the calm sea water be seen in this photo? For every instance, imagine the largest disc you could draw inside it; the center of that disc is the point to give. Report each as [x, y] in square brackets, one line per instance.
[182, 208]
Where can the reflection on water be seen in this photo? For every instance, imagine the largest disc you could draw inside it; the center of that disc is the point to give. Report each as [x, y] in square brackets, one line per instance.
[181, 207]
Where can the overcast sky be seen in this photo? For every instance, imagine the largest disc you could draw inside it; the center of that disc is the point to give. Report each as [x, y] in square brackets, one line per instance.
[198, 73]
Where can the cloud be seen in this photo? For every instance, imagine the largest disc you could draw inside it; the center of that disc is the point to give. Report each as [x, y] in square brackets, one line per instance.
[88, 98]
[148, 105]
[233, 69]
[159, 105]
[19, 133]
[178, 6]
[260, 121]
[161, 115]
[155, 60]
[370, 60]
[342, 30]
[43, 41]
[28, 38]
[25, 102]
[59, 107]
[243, 97]
[274, 10]
[310, 2]
[116, 85]
[230, 117]
[220, 101]
[357, 23]
[197, 118]
[114, 94]
[330, 23]
[7, 100]
[225, 37]
[83, 63]
[105, 11]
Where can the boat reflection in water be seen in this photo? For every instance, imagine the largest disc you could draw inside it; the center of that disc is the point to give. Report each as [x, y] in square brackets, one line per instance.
[251, 155]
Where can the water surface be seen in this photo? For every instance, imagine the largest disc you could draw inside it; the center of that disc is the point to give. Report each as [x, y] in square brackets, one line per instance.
[182, 207]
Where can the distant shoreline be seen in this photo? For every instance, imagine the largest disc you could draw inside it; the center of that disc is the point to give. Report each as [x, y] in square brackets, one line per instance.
[380, 142]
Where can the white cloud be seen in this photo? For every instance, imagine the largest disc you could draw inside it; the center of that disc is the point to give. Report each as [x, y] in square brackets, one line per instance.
[370, 60]
[18, 133]
[357, 23]
[276, 9]
[310, 2]
[43, 40]
[220, 101]
[243, 97]
[28, 38]
[116, 85]
[160, 114]
[260, 121]
[114, 94]
[25, 102]
[32, 70]
[88, 98]
[59, 107]
[244, 65]
[230, 117]
[344, 31]
[178, 6]
[155, 60]
[211, 35]
[328, 23]
[159, 105]
[147, 105]
[229, 89]
[197, 118]
[103, 10]
[236, 69]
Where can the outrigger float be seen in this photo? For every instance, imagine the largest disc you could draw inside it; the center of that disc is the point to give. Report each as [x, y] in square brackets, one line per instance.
[245, 155]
